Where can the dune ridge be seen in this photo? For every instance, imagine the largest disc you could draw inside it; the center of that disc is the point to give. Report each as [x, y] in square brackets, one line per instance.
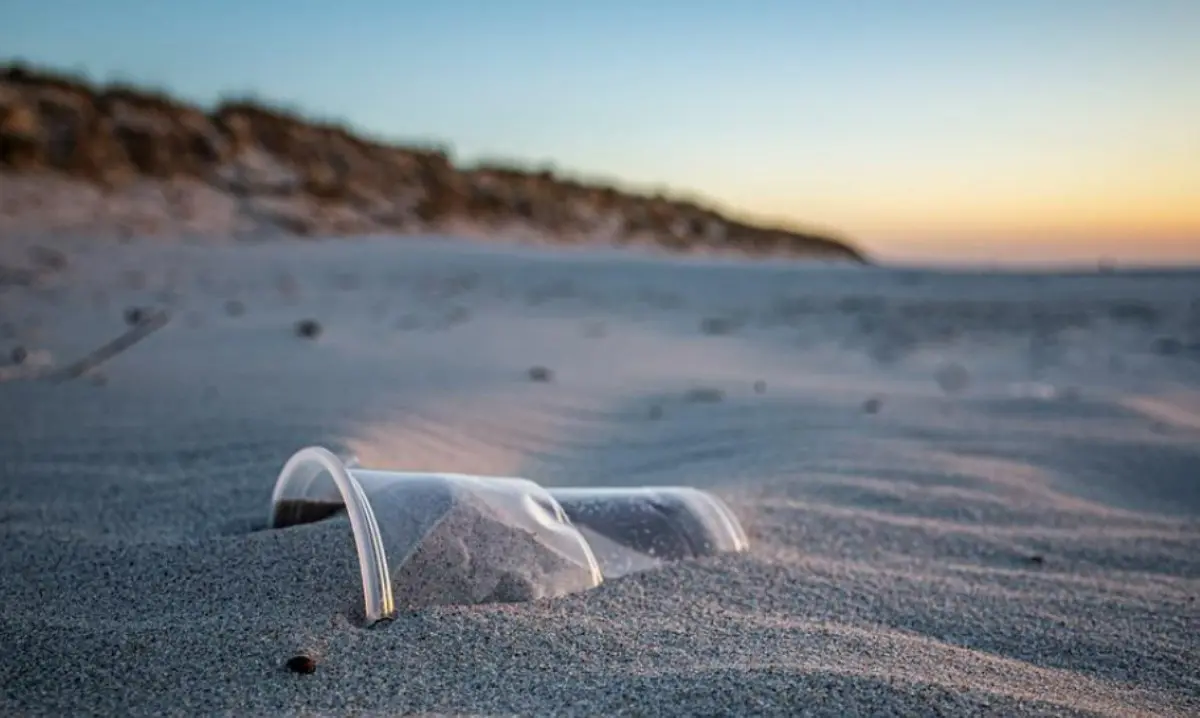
[127, 161]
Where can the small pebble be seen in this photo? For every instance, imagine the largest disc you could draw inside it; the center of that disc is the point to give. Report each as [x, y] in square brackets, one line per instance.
[301, 664]
[19, 355]
[872, 405]
[540, 373]
[135, 316]
[716, 326]
[655, 413]
[1037, 559]
[234, 308]
[308, 328]
[760, 386]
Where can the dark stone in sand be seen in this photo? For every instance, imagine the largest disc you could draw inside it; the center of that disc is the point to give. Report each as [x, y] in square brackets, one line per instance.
[234, 308]
[872, 405]
[19, 355]
[308, 328]
[717, 326]
[540, 373]
[760, 386]
[655, 413]
[135, 316]
[1037, 559]
[301, 664]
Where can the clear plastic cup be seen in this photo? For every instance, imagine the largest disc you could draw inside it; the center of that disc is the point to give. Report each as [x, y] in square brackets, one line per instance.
[632, 529]
[425, 538]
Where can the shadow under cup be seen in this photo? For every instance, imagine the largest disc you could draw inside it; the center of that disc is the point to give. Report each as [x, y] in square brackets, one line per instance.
[430, 538]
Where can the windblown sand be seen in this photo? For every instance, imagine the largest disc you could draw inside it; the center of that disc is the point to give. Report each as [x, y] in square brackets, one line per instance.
[970, 494]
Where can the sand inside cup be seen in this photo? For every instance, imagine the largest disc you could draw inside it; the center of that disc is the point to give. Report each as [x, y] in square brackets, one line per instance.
[446, 546]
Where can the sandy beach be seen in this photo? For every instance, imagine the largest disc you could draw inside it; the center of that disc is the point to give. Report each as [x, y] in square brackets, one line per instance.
[966, 493]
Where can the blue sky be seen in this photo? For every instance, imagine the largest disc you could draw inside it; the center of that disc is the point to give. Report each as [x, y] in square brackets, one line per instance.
[924, 128]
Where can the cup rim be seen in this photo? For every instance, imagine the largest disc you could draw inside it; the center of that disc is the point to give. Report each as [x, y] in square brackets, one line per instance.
[378, 601]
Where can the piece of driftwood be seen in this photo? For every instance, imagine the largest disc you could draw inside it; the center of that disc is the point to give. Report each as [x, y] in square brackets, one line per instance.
[144, 328]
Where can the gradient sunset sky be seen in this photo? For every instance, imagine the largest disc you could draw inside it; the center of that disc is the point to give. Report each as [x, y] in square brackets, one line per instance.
[949, 130]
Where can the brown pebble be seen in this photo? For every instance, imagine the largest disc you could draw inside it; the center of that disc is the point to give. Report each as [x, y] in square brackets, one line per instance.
[301, 664]
[308, 328]
[540, 373]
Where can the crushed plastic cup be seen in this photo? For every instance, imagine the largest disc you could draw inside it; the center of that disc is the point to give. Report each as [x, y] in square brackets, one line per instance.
[425, 538]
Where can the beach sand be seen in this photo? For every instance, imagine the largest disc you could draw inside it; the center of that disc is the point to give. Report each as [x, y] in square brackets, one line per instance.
[966, 493]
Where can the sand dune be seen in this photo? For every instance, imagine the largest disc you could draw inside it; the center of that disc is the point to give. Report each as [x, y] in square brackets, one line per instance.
[970, 494]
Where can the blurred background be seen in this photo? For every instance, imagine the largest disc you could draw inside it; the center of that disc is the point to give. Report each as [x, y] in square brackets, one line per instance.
[930, 131]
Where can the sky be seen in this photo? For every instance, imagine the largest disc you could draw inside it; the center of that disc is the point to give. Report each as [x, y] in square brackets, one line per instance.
[922, 130]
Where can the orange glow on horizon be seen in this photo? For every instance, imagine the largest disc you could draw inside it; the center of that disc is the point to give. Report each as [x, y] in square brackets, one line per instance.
[1157, 221]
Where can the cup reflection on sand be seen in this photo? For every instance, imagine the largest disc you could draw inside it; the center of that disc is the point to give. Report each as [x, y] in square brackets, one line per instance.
[429, 538]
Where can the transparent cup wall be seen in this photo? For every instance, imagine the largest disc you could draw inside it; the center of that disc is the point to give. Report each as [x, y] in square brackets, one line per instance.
[426, 538]
[632, 529]
[439, 538]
